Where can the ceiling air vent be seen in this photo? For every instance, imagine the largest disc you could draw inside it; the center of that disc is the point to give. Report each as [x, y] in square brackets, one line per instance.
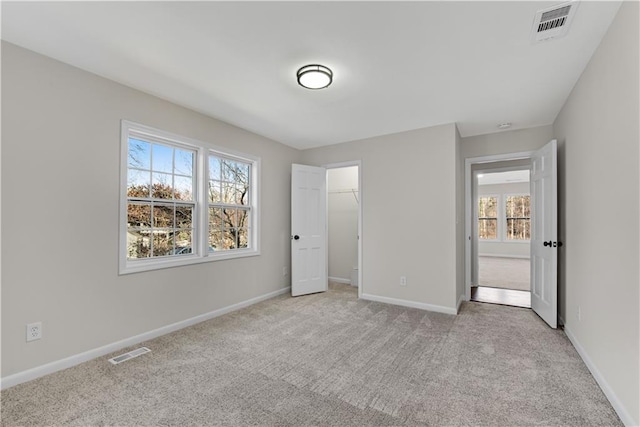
[553, 22]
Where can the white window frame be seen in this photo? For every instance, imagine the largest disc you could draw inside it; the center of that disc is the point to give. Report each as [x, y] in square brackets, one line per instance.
[504, 218]
[200, 215]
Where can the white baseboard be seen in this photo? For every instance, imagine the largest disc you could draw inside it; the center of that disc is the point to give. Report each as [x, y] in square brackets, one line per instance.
[412, 304]
[625, 417]
[506, 256]
[460, 301]
[67, 362]
[340, 280]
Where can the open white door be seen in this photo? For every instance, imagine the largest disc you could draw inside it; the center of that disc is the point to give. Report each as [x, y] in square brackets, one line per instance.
[544, 230]
[308, 230]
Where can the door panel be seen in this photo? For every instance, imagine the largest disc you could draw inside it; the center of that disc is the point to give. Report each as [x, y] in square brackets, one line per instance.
[308, 224]
[544, 233]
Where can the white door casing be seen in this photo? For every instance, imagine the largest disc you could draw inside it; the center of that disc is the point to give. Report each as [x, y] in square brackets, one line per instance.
[544, 233]
[308, 230]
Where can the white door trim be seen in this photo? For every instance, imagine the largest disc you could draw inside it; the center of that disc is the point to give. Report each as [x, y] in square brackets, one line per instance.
[357, 163]
[468, 205]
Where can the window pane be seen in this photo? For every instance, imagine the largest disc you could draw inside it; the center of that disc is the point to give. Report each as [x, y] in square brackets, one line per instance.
[215, 219]
[214, 192]
[162, 158]
[162, 243]
[184, 216]
[138, 183]
[229, 236]
[162, 186]
[518, 229]
[184, 162]
[215, 240]
[184, 242]
[487, 207]
[139, 154]
[229, 218]
[214, 168]
[228, 193]
[243, 218]
[243, 238]
[487, 229]
[240, 195]
[138, 215]
[138, 245]
[183, 188]
[163, 216]
[518, 206]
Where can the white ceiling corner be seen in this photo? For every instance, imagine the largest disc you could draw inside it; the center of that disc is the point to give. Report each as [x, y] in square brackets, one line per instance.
[397, 65]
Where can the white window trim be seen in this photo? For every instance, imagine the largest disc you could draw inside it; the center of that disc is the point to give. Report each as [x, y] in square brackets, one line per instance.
[200, 237]
[504, 219]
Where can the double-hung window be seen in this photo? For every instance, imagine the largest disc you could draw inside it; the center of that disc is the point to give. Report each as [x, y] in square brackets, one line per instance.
[183, 202]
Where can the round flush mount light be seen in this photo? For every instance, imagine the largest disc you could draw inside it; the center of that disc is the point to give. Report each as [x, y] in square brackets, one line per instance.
[314, 76]
[505, 125]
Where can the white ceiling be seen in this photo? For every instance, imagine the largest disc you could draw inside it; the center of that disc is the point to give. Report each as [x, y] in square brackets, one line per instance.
[397, 65]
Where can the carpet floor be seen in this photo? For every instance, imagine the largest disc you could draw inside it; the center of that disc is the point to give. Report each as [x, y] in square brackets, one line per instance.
[330, 359]
[505, 273]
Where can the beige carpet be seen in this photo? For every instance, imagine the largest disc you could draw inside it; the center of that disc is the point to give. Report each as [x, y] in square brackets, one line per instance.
[331, 359]
[505, 273]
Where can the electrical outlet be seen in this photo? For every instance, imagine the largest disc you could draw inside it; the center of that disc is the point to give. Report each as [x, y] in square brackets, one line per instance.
[403, 280]
[34, 331]
[284, 271]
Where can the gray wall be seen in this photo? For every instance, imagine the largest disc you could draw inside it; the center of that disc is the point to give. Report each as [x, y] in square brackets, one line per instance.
[60, 195]
[506, 142]
[342, 219]
[597, 131]
[408, 198]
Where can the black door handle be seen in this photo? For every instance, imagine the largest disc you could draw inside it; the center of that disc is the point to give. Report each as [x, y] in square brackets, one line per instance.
[296, 237]
[552, 244]
[549, 243]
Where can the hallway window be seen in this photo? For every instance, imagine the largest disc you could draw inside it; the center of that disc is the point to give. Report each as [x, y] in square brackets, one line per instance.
[518, 216]
[488, 218]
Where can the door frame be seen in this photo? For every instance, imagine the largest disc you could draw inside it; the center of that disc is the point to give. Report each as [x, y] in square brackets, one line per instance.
[339, 165]
[469, 205]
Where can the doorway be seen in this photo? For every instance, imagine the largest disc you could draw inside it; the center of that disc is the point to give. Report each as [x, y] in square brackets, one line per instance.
[343, 226]
[543, 243]
[496, 264]
[502, 219]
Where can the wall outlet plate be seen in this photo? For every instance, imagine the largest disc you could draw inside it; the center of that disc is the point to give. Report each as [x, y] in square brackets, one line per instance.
[34, 331]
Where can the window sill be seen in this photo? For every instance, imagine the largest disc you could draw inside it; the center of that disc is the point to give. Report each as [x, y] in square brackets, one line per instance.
[131, 267]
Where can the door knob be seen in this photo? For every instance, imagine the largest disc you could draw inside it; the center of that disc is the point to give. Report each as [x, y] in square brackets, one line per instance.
[549, 243]
[296, 237]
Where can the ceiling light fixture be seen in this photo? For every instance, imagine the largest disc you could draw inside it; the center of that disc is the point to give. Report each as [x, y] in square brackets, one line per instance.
[314, 76]
[504, 125]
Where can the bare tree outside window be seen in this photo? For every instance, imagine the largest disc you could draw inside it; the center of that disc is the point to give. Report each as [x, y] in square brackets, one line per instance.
[518, 215]
[229, 204]
[488, 218]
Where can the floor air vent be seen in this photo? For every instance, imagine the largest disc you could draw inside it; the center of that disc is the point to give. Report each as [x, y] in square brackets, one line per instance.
[553, 22]
[130, 355]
